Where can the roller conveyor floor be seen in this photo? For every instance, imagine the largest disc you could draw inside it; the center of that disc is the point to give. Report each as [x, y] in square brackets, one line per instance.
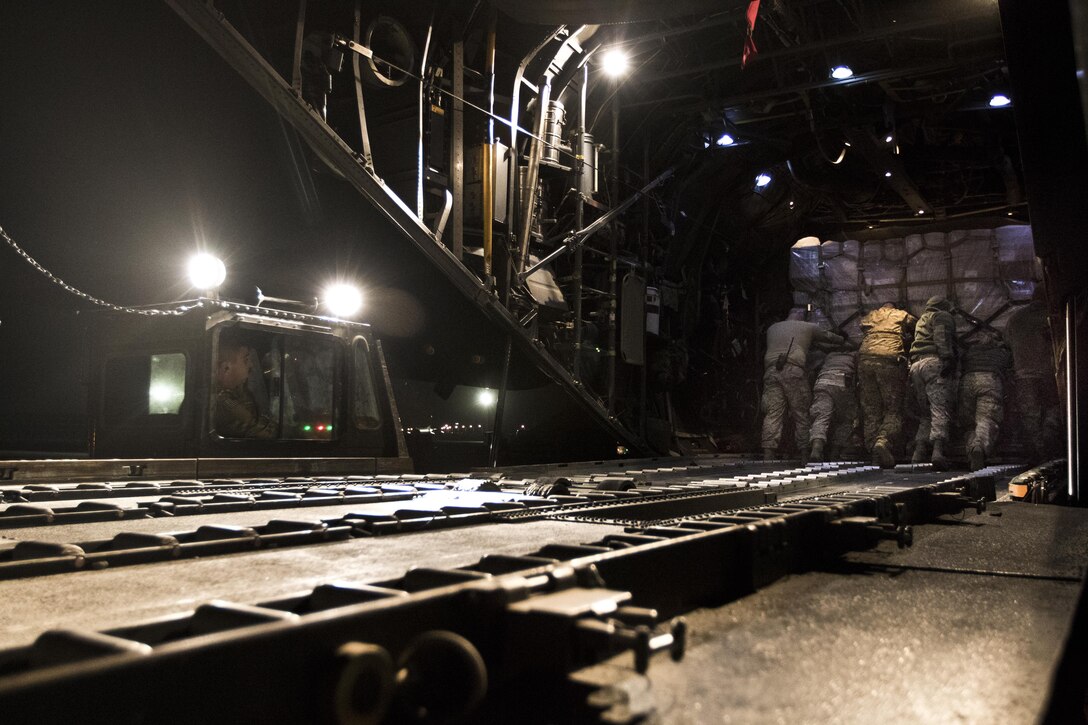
[826, 535]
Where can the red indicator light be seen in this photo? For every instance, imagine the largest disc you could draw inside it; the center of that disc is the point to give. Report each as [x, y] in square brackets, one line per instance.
[321, 427]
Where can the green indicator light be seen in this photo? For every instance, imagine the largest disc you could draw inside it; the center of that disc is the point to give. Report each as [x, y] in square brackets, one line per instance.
[328, 427]
[305, 427]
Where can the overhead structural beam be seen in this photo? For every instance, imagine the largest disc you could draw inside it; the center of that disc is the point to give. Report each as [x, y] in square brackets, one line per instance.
[887, 164]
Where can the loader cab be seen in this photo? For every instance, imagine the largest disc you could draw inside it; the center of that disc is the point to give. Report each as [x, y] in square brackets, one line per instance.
[215, 379]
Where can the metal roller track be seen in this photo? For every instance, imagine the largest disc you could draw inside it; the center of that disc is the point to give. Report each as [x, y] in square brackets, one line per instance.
[498, 630]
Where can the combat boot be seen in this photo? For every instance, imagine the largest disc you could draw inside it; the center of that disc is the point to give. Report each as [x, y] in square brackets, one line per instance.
[976, 458]
[882, 455]
[939, 460]
[817, 450]
[920, 454]
[769, 454]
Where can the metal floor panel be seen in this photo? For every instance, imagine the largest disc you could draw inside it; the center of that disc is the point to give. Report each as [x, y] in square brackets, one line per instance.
[1011, 537]
[893, 644]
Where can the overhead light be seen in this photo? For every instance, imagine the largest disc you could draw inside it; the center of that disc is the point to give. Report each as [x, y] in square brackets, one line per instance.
[762, 180]
[486, 398]
[889, 138]
[206, 272]
[842, 72]
[791, 203]
[887, 174]
[343, 300]
[999, 100]
[725, 140]
[921, 211]
[614, 62]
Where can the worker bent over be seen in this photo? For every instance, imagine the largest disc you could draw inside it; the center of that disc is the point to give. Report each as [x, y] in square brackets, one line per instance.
[983, 367]
[882, 379]
[785, 381]
[834, 404]
[932, 371]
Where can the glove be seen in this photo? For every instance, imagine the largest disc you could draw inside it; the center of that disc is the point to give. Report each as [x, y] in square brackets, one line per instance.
[948, 368]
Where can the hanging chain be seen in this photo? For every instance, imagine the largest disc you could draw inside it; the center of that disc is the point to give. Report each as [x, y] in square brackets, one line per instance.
[80, 293]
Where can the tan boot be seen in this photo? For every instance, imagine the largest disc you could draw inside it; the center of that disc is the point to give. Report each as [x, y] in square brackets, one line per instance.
[920, 453]
[939, 459]
[882, 455]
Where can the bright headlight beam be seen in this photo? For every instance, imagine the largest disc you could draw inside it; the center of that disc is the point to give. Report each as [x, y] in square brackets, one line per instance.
[343, 300]
[206, 272]
[486, 398]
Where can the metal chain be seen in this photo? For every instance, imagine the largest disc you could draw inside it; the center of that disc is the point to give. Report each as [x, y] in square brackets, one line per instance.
[80, 293]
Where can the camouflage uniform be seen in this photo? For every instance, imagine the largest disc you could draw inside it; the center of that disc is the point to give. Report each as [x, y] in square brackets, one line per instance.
[834, 405]
[882, 374]
[786, 386]
[932, 368]
[1027, 333]
[785, 390]
[982, 396]
[236, 415]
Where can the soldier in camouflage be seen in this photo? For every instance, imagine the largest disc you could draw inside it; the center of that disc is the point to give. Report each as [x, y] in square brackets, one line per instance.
[785, 381]
[834, 404]
[983, 366]
[932, 371]
[882, 379]
[236, 414]
[1028, 334]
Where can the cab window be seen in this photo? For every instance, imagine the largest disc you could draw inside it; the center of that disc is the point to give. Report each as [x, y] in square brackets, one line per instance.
[144, 388]
[275, 385]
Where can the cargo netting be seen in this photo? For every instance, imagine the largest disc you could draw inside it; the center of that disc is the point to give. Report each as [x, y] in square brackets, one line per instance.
[986, 273]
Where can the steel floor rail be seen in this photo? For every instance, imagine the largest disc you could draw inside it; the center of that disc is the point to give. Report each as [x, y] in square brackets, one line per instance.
[479, 642]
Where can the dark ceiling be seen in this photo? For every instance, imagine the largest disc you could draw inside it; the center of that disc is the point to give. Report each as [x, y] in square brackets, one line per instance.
[909, 138]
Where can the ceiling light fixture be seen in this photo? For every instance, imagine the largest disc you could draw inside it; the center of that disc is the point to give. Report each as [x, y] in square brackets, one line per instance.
[842, 72]
[725, 140]
[762, 180]
[999, 100]
[887, 174]
[889, 138]
[614, 62]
